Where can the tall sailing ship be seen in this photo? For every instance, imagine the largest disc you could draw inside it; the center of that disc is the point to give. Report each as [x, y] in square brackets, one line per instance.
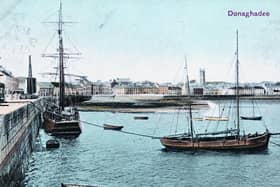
[229, 139]
[59, 120]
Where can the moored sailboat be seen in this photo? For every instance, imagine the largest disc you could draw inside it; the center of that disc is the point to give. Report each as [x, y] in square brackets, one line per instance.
[59, 120]
[253, 116]
[229, 139]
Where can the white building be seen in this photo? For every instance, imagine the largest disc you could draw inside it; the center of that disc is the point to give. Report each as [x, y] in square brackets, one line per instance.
[45, 89]
[247, 90]
[6, 77]
[22, 83]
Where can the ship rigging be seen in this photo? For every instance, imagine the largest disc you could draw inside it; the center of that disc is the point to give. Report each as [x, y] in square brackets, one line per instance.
[229, 139]
[59, 120]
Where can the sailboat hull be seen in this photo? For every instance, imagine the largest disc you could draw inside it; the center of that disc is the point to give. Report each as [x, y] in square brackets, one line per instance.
[62, 128]
[230, 143]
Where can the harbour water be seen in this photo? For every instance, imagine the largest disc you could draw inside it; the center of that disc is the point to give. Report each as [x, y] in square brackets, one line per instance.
[108, 158]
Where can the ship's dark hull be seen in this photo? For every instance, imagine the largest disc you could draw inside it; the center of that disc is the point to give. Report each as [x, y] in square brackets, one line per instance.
[251, 118]
[62, 128]
[229, 143]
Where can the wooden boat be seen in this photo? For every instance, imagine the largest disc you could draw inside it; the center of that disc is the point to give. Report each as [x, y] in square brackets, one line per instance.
[222, 140]
[59, 120]
[62, 124]
[251, 118]
[225, 142]
[141, 117]
[112, 127]
[216, 118]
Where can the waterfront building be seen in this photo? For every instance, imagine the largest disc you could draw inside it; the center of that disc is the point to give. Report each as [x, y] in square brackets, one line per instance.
[83, 86]
[123, 81]
[163, 89]
[146, 88]
[119, 90]
[174, 90]
[259, 90]
[7, 78]
[100, 88]
[45, 89]
[69, 88]
[272, 88]
[197, 91]
[215, 91]
[22, 83]
[247, 90]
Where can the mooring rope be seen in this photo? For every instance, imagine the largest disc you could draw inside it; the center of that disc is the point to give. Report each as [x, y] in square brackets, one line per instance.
[275, 133]
[121, 131]
[101, 126]
[275, 143]
[133, 133]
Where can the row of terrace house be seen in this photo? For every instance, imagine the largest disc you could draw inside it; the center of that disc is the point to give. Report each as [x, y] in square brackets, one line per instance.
[115, 87]
[229, 89]
[272, 88]
[100, 88]
[247, 90]
[142, 90]
[120, 87]
[81, 86]
[126, 87]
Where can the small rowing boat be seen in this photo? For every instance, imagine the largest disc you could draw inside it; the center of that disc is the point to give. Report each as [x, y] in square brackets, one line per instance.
[141, 117]
[112, 127]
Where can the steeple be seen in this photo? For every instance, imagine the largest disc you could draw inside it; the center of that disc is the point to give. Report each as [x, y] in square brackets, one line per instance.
[31, 82]
[30, 68]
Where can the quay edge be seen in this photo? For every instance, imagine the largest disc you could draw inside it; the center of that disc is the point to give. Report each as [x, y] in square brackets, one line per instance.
[19, 125]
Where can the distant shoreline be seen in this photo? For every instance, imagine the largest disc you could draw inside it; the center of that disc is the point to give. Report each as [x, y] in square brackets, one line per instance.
[165, 104]
[229, 97]
[127, 110]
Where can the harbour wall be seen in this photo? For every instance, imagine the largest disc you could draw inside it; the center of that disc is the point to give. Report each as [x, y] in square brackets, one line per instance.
[18, 131]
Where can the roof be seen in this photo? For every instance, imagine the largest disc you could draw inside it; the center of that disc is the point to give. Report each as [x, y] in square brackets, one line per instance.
[45, 85]
[67, 85]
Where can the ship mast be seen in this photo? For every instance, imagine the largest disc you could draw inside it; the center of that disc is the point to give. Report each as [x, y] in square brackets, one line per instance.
[61, 55]
[189, 93]
[61, 60]
[237, 86]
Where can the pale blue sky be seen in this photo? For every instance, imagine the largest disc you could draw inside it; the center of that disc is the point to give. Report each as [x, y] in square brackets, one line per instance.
[145, 39]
